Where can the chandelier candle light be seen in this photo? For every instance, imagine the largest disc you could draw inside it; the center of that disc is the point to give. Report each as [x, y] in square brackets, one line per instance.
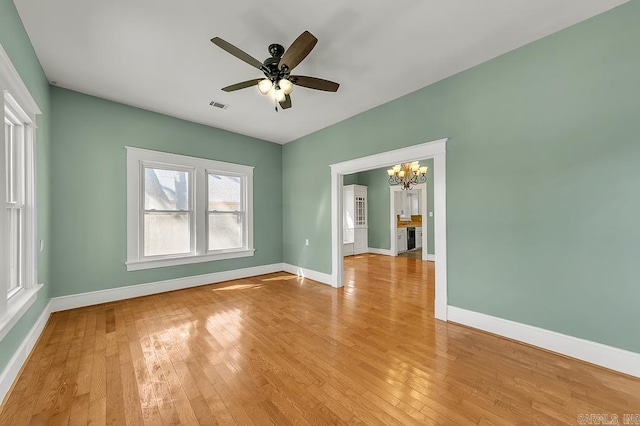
[407, 174]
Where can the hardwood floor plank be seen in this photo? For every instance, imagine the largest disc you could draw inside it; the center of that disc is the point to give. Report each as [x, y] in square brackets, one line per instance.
[98, 411]
[279, 349]
[79, 411]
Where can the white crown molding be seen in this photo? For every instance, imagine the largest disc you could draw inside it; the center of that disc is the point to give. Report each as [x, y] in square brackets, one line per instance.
[11, 371]
[595, 353]
[309, 273]
[10, 80]
[63, 303]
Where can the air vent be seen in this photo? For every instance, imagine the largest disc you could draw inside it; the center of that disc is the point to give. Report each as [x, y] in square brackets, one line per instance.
[218, 105]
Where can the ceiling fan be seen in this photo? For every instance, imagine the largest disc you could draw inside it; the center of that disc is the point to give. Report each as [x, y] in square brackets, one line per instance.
[278, 81]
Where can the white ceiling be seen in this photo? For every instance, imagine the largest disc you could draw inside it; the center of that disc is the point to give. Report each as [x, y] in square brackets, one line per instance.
[156, 54]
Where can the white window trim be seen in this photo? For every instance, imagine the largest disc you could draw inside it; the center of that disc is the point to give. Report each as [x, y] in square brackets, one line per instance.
[15, 95]
[136, 157]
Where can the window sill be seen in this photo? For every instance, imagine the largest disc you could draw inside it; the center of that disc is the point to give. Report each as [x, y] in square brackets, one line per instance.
[137, 265]
[16, 307]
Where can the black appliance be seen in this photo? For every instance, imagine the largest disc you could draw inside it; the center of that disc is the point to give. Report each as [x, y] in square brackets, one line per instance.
[411, 238]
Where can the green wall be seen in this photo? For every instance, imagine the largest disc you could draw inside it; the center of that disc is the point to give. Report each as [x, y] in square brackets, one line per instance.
[16, 43]
[351, 179]
[89, 189]
[378, 201]
[542, 179]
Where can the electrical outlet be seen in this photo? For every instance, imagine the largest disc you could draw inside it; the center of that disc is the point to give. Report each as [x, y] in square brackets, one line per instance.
[306, 242]
[430, 214]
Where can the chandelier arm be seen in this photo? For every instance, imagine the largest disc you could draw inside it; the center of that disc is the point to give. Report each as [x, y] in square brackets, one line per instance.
[412, 173]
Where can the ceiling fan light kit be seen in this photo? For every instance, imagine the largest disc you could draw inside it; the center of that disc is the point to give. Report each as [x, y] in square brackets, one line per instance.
[278, 81]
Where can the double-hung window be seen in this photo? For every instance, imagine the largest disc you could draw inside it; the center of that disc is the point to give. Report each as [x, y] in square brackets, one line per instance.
[15, 199]
[167, 212]
[184, 209]
[18, 275]
[225, 211]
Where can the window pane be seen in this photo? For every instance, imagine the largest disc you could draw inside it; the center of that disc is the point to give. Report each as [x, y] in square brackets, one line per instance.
[15, 249]
[10, 160]
[166, 189]
[166, 234]
[225, 231]
[224, 193]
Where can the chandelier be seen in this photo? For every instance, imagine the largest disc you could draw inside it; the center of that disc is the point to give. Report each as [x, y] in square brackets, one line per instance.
[407, 174]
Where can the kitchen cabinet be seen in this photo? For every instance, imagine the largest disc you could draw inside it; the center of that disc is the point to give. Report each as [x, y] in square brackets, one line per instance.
[407, 203]
[361, 241]
[401, 243]
[418, 236]
[355, 220]
[413, 202]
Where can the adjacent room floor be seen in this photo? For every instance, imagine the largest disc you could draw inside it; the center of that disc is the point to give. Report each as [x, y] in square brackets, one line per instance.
[278, 349]
[412, 254]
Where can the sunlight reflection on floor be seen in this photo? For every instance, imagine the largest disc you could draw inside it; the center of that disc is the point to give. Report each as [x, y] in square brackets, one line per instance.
[281, 278]
[237, 287]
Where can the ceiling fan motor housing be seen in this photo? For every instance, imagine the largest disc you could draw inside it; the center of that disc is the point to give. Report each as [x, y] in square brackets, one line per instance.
[271, 70]
[276, 50]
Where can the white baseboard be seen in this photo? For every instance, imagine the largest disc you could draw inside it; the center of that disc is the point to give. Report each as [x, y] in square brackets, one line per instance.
[385, 252]
[16, 362]
[321, 277]
[63, 303]
[596, 353]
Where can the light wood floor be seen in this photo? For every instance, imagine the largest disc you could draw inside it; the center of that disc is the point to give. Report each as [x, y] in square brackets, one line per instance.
[278, 350]
[413, 254]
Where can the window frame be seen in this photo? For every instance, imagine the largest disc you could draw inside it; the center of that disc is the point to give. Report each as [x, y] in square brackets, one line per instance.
[243, 203]
[137, 160]
[19, 108]
[190, 210]
[15, 198]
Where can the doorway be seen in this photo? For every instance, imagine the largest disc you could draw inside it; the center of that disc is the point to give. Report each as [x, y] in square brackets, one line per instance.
[394, 191]
[437, 151]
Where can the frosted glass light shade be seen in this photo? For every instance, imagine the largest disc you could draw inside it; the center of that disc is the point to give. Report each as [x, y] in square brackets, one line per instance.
[278, 95]
[286, 86]
[423, 170]
[390, 172]
[264, 86]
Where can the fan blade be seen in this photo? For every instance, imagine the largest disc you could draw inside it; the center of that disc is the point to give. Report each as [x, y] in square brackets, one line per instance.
[243, 56]
[298, 50]
[286, 103]
[242, 85]
[314, 83]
